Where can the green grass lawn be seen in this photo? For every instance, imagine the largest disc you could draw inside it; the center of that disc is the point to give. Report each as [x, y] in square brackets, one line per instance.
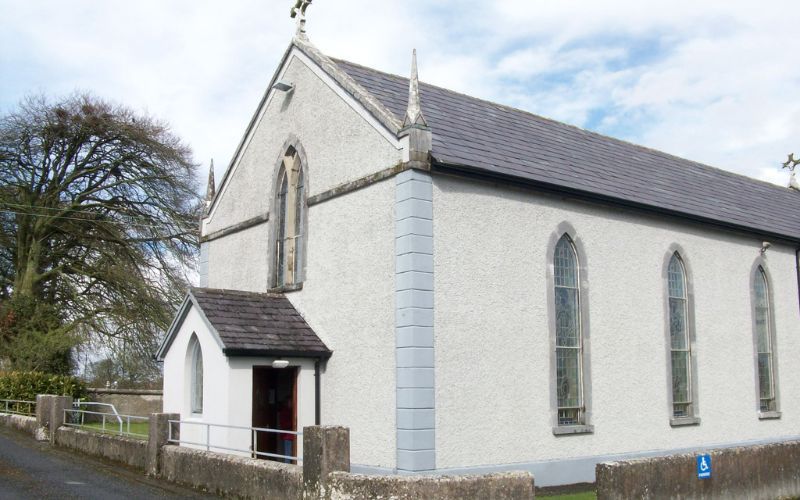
[582, 491]
[586, 495]
[112, 427]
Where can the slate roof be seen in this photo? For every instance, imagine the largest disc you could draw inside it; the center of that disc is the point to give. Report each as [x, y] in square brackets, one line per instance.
[258, 324]
[478, 136]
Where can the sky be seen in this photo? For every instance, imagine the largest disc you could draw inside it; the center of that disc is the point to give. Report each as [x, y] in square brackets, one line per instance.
[713, 81]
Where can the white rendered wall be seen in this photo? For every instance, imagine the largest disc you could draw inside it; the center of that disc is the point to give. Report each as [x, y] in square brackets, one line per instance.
[239, 397]
[348, 300]
[177, 381]
[340, 145]
[491, 329]
[227, 389]
[348, 291]
[239, 261]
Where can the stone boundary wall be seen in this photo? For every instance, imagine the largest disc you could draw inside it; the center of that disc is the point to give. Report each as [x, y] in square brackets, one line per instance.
[128, 401]
[20, 422]
[128, 451]
[501, 486]
[766, 471]
[231, 476]
[324, 474]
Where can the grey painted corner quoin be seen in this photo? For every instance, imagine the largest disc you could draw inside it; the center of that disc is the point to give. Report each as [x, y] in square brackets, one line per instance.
[416, 441]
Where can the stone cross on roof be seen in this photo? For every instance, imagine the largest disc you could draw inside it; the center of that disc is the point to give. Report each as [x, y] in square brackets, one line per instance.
[299, 12]
[792, 164]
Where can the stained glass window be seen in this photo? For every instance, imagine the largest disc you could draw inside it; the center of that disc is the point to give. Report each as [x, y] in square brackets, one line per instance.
[766, 372]
[680, 356]
[280, 244]
[289, 224]
[569, 352]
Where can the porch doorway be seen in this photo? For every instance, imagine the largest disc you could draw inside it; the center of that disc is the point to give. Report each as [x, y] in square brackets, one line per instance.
[275, 407]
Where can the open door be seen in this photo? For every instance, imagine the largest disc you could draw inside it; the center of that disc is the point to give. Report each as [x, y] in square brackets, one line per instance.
[274, 407]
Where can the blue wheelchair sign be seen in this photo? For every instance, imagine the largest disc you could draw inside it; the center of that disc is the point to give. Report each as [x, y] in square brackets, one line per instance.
[703, 466]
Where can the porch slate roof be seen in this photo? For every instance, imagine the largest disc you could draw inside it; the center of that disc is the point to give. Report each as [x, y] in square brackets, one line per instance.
[265, 324]
[474, 136]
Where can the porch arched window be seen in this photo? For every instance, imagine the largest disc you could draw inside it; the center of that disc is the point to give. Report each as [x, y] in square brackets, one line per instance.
[196, 370]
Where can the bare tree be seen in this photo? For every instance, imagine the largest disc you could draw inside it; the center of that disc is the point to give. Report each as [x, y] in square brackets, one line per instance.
[98, 223]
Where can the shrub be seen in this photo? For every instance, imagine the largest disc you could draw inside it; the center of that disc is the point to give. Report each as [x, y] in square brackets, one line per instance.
[25, 386]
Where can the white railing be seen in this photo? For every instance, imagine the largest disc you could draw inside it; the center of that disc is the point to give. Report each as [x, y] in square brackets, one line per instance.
[252, 451]
[121, 424]
[18, 407]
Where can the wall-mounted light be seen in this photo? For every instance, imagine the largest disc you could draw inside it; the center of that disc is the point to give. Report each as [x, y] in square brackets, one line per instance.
[765, 246]
[283, 86]
[280, 363]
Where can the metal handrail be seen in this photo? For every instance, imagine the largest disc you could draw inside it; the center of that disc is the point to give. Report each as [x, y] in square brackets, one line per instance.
[94, 403]
[254, 430]
[119, 417]
[8, 403]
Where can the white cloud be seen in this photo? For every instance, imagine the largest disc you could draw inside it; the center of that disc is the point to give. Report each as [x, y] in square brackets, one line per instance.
[714, 81]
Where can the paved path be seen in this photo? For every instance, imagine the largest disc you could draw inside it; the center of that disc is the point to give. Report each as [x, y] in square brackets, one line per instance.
[34, 470]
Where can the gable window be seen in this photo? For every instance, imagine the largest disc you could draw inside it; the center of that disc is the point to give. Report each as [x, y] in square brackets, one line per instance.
[196, 383]
[568, 336]
[680, 344]
[290, 207]
[764, 343]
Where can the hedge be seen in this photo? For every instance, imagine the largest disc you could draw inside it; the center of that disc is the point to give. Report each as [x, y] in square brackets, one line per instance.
[24, 386]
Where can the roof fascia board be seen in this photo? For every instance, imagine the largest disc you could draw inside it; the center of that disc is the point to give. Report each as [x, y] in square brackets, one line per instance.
[262, 105]
[476, 173]
[242, 352]
[353, 99]
[180, 315]
[358, 98]
[352, 89]
[189, 302]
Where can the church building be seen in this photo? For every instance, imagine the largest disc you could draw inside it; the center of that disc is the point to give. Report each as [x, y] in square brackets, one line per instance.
[472, 288]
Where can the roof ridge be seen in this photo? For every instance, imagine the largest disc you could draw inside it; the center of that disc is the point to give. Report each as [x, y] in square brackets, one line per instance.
[657, 152]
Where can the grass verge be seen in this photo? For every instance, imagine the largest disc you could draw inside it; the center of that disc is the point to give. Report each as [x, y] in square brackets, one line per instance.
[141, 428]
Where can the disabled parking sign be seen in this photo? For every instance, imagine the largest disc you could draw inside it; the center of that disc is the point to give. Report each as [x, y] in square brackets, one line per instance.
[703, 466]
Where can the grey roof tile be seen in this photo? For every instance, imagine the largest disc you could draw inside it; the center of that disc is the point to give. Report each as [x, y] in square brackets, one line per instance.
[258, 323]
[503, 141]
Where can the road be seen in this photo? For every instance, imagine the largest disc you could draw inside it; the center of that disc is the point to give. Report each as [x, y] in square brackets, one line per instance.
[35, 470]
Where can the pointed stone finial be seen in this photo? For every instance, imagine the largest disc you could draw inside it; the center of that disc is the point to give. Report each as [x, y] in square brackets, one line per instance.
[414, 111]
[211, 189]
[299, 12]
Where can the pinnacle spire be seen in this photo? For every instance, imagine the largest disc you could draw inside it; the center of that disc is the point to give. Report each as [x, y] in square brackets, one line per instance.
[211, 188]
[414, 110]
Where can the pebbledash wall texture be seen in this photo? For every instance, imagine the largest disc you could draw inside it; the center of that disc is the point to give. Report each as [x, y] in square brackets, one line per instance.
[493, 339]
[434, 291]
[347, 294]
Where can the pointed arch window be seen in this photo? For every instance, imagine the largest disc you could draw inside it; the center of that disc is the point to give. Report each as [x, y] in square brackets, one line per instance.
[680, 343]
[568, 336]
[290, 221]
[764, 343]
[196, 370]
